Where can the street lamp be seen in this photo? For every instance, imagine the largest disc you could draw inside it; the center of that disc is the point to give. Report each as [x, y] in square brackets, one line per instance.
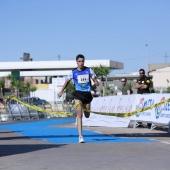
[146, 59]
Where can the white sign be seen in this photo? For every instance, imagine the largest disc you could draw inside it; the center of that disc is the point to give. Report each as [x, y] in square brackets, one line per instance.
[110, 104]
[58, 82]
[128, 103]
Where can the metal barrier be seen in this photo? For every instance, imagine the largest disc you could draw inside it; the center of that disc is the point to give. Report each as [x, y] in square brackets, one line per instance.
[15, 111]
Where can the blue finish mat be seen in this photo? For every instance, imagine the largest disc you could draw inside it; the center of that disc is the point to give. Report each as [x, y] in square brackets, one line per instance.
[46, 130]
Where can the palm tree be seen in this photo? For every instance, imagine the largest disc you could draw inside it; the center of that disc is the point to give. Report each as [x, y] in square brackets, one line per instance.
[102, 72]
[26, 88]
[12, 82]
[2, 86]
[18, 86]
[33, 89]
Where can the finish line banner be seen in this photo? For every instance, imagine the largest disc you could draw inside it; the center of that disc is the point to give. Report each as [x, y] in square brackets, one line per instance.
[111, 104]
[129, 103]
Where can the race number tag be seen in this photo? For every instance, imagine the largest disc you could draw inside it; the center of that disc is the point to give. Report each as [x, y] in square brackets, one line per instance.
[82, 79]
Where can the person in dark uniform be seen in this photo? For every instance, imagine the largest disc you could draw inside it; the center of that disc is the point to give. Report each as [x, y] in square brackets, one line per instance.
[142, 85]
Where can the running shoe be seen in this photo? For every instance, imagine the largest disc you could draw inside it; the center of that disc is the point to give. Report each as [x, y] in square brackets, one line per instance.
[81, 140]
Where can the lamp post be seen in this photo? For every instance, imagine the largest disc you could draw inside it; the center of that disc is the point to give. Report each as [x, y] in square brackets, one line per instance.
[146, 59]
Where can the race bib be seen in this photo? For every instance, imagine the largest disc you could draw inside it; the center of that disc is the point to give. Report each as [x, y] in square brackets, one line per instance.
[82, 79]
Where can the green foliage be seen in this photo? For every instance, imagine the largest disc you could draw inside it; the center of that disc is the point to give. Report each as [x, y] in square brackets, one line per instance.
[2, 85]
[101, 70]
[108, 88]
[70, 88]
[18, 86]
[33, 88]
[112, 91]
[69, 91]
[168, 90]
[157, 91]
[130, 84]
[107, 93]
[101, 90]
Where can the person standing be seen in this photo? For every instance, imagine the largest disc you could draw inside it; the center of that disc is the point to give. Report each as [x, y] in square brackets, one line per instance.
[125, 88]
[81, 77]
[143, 83]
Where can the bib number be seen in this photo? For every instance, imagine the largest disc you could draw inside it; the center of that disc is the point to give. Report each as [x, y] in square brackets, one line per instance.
[82, 79]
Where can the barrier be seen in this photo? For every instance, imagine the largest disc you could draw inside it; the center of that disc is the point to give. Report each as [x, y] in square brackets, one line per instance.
[40, 109]
[144, 108]
[118, 111]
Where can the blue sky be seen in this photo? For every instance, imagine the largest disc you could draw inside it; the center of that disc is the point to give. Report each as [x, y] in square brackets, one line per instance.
[100, 29]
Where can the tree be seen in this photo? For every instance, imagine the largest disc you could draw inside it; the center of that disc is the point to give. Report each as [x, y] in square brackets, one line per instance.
[102, 72]
[12, 82]
[2, 86]
[33, 89]
[168, 90]
[18, 86]
[26, 88]
[69, 91]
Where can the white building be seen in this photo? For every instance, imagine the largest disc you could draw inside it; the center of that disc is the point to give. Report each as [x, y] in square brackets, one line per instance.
[161, 75]
[43, 72]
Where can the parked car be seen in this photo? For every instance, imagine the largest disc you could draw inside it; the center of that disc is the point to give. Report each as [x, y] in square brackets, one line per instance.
[35, 100]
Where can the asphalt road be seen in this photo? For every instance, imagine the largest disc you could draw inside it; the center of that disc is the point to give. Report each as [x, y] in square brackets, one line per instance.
[106, 148]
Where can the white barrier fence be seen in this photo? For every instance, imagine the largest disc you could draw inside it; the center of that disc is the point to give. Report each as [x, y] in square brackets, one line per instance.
[128, 103]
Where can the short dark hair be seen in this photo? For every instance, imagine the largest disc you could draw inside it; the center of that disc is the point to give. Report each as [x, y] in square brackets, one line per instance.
[142, 70]
[79, 56]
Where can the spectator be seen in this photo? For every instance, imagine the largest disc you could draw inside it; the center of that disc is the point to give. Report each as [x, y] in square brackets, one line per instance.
[124, 87]
[143, 83]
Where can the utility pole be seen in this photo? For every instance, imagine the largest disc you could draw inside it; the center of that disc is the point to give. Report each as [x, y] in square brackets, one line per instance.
[59, 57]
[146, 59]
[166, 56]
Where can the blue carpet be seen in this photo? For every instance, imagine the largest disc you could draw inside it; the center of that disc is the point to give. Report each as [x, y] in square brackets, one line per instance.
[45, 130]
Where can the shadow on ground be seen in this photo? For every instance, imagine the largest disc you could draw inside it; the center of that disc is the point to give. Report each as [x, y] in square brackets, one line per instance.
[6, 150]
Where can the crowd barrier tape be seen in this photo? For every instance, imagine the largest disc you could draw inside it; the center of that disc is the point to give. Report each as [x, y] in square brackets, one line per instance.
[128, 114]
[62, 114]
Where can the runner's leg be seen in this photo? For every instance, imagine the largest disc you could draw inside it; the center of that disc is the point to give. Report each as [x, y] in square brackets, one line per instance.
[79, 116]
[87, 107]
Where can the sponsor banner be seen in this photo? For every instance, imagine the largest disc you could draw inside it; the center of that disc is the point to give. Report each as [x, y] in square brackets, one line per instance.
[110, 104]
[162, 113]
[157, 110]
[143, 101]
[159, 114]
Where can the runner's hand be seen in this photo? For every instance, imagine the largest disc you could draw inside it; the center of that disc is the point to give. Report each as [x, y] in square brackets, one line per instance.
[60, 94]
